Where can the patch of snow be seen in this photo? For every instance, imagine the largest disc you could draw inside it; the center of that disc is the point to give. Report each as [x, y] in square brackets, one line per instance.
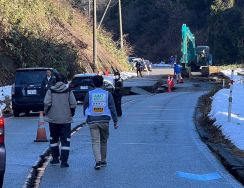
[161, 65]
[127, 75]
[233, 130]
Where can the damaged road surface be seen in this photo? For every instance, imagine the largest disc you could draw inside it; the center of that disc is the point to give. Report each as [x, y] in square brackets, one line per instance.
[156, 145]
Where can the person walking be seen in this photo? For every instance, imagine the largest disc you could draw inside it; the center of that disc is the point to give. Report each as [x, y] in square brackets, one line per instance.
[48, 81]
[171, 61]
[98, 107]
[59, 107]
[138, 68]
[117, 94]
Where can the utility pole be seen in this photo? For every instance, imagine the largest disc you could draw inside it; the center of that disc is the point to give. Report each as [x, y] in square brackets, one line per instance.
[104, 13]
[89, 10]
[120, 26]
[94, 36]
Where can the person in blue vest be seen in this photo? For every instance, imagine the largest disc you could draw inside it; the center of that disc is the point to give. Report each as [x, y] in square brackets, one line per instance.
[177, 73]
[99, 108]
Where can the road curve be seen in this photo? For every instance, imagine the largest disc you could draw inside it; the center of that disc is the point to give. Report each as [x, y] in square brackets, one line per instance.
[155, 146]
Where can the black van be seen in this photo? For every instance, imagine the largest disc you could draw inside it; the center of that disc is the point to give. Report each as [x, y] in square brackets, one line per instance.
[27, 94]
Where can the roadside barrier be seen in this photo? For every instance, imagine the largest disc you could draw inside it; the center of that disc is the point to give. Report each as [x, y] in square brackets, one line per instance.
[41, 132]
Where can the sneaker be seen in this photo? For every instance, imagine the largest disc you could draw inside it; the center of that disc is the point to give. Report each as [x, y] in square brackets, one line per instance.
[54, 162]
[103, 163]
[64, 165]
[97, 166]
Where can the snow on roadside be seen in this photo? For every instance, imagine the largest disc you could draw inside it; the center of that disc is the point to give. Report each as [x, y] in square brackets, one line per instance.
[4, 92]
[127, 75]
[234, 130]
[161, 65]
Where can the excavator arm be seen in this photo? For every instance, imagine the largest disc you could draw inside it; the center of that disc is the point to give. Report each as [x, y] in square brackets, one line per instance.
[188, 46]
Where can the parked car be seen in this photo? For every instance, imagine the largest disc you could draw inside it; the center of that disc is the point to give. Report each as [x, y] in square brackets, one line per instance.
[2, 150]
[82, 83]
[130, 59]
[27, 93]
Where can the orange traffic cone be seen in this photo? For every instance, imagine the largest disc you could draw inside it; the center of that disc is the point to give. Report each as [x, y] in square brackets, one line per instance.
[41, 132]
[169, 83]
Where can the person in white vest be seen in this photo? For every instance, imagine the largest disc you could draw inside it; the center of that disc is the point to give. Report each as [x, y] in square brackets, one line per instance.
[99, 108]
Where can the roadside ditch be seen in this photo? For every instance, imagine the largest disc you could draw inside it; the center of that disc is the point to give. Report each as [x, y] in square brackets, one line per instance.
[34, 178]
[231, 157]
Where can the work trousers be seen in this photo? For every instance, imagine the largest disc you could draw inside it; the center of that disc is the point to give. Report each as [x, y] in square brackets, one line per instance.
[60, 133]
[138, 71]
[117, 101]
[99, 137]
[178, 77]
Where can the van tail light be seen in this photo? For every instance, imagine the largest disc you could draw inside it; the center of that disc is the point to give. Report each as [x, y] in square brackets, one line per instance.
[13, 89]
[1, 130]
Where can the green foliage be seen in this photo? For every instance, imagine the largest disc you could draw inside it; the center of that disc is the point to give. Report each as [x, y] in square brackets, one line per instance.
[226, 35]
[197, 5]
[154, 27]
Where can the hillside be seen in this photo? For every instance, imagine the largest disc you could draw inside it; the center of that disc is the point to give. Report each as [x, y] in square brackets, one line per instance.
[153, 27]
[51, 33]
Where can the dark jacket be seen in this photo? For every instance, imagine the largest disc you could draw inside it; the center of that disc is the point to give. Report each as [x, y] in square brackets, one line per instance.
[138, 65]
[47, 84]
[59, 104]
[101, 119]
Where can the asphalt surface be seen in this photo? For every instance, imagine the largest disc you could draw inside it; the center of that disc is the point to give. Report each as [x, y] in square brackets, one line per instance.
[22, 151]
[156, 145]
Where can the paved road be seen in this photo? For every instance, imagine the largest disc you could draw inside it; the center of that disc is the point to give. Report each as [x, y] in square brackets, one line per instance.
[22, 151]
[148, 150]
[155, 146]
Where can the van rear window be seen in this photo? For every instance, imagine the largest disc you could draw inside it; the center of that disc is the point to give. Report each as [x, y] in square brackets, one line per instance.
[29, 77]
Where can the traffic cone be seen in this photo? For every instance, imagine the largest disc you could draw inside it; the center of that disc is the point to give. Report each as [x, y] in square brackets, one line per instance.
[169, 84]
[41, 132]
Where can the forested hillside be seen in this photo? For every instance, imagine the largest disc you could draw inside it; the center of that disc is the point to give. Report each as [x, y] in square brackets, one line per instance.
[57, 33]
[153, 27]
[51, 33]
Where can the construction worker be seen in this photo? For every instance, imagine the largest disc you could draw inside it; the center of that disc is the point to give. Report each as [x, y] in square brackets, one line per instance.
[106, 73]
[59, 107]
[177, 72]
[138, 68]
[98, 107]
[171, 61]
